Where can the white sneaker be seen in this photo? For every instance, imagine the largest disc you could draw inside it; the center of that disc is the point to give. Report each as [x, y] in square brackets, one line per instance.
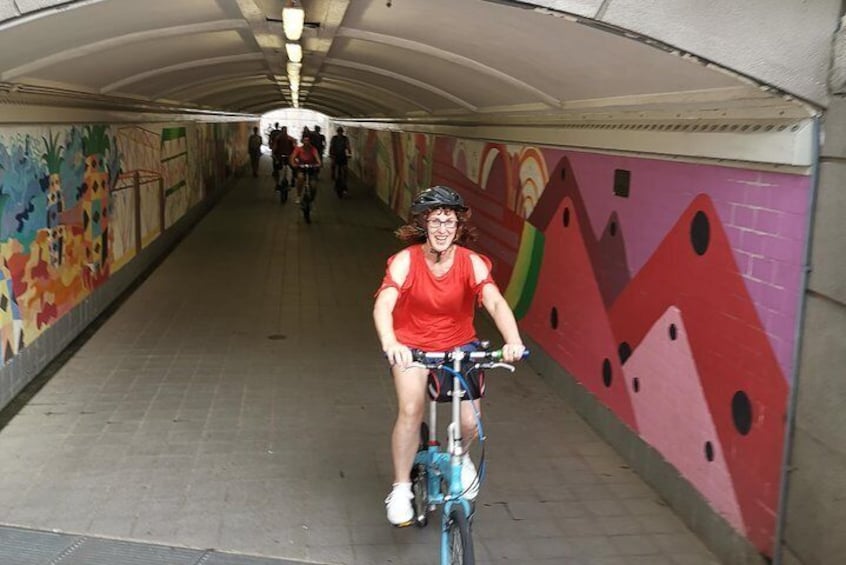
[398, 505]
[469, 479]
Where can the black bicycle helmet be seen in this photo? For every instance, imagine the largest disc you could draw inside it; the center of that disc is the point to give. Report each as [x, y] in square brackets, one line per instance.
[437, 197]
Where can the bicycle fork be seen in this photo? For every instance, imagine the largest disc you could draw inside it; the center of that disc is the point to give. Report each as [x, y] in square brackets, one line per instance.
[453, 458]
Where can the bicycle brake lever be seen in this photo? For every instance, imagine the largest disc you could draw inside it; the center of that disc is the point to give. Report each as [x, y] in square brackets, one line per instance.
[501, 366]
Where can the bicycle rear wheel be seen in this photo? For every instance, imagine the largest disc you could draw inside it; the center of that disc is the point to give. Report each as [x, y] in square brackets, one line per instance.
[283, 191]
[459, 538]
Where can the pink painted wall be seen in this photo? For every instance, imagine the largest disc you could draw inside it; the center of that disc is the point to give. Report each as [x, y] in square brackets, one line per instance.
[675, 306]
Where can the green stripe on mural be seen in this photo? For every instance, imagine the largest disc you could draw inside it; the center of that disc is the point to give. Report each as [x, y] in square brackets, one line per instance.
[532, 276]
[524, 276]
[177, 156]
[178, 186]
[169, 134]
[521, 265]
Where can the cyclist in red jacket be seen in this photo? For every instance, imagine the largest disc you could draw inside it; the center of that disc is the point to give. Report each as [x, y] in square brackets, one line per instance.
[427, 301]
[305, 154]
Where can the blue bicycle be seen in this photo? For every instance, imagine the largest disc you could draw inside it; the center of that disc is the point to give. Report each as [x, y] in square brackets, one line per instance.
[436, 474]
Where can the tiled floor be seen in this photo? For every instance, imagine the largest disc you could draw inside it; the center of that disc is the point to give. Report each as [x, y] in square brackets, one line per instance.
[238, 401]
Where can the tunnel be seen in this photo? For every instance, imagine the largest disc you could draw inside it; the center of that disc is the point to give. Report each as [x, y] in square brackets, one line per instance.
[190, 371]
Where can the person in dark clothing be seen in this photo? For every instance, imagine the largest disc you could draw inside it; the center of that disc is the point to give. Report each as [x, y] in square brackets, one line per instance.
[318, 140]
[339, 152]
[254, 149]
[282, 148]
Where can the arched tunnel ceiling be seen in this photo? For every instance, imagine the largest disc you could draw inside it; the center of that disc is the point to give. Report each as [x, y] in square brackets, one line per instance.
[448, 60]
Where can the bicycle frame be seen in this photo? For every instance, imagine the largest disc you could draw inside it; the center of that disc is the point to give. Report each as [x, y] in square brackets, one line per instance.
[308, 190]
[446, 465]
[440, 464]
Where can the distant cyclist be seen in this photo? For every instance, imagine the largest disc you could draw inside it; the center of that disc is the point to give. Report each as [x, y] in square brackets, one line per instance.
[305, 154]
[271, 136]
[427, 301]
[318, 140]
[282, 148]
[339, 152]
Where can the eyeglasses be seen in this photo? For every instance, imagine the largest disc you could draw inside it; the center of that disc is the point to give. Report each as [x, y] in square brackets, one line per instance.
[435, 223]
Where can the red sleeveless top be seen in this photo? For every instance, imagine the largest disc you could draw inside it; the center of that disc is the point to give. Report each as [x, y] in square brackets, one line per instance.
[436, 313]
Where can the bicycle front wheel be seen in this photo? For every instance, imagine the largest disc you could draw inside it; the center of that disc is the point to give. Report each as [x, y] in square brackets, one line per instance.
[420, 490]
[459, 537]
[305, 204]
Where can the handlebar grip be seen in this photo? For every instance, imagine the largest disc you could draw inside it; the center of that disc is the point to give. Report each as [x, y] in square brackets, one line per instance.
[498, 354]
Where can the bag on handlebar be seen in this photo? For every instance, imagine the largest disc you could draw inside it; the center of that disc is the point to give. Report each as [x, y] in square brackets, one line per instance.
[440, 385]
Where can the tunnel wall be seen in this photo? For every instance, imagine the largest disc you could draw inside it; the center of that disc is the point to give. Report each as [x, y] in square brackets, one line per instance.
[668, 291]
[84, 211]
[816, 501]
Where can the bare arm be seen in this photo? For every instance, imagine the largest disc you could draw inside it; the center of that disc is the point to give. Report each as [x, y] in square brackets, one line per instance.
[500, 311]
[383, 310]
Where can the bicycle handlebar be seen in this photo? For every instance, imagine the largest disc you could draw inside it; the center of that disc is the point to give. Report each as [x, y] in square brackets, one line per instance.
[307, 166]
[434, 359]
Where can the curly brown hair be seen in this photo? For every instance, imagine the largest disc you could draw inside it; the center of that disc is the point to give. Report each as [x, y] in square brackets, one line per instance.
[415, 230]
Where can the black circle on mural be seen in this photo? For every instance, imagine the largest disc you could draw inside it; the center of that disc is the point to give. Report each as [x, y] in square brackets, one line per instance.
[636, 384]
[613, 229]
[553, 318]
[741, 412]
[606, 373]
[709, 451]
[700, 233]
[566, 217]
[673, 332]
[624, 350]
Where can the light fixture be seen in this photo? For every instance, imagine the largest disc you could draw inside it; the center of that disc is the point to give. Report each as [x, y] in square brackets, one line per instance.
[295, 86]
[295, 52]
[294, 68]
[293, 20]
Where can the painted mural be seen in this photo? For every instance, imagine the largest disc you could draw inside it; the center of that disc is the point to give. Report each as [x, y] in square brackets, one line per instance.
[397, 164]
[673, 301]
[78, 202]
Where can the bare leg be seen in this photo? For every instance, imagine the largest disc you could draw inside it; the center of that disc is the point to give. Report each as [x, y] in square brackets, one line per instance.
[411, 400]
[469, 431]
[299, 185]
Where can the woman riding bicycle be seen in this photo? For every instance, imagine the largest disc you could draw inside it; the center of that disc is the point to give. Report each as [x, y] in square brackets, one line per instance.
[427, 301]
[305, 154]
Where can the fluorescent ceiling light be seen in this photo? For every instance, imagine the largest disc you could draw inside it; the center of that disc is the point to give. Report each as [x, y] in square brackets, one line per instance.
[294, 68]
[295, 52]
[293, 19]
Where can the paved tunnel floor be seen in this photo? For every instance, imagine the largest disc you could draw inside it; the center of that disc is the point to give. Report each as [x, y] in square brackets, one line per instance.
[238, 401]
